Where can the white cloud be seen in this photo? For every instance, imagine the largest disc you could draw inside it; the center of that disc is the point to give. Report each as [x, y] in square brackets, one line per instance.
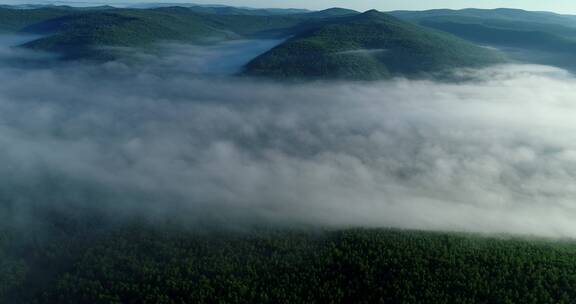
[497, 154]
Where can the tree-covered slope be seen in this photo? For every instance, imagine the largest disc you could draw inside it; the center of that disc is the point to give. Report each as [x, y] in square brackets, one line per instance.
[228, 10]
[507, 14]
[88, 35]
[159, 264]
[372, 45]
[505, 27]
[535, 37]
[513, 34]
[14, 20]
[223, 9]
[95, 34]
[101, 33]
[332, 12]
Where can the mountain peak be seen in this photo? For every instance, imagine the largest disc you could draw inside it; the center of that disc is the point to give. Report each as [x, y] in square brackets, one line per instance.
[332, 9]
[370, 46]
[333, 12]
[372, 12]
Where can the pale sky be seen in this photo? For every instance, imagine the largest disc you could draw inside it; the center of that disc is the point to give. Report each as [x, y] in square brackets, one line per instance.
[562, 6]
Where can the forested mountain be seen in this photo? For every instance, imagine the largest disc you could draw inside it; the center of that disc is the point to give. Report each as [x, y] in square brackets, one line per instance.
[223, 9]
[79, 33]
[332, 12]
[538, 37]
[344, 44]
[15, 20]
[369, 46]
[505, 14]
[87, 34]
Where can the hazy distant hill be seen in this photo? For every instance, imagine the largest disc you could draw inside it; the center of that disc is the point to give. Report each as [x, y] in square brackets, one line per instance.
[223, 9]
[342, 43]
[91, 34]
[500, 14]
[501, 26]
[539, 37]
[81, 33]
[332, 12]
[14, 20]
[372, 45]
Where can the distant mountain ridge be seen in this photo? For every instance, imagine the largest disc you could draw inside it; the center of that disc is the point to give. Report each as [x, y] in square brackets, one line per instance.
[92, 34]
[223, 9]
[538, 37]
[499, 13]
[82, 33]
[107, 33]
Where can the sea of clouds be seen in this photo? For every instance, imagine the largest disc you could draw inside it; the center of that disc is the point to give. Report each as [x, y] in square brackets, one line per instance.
[173, 138]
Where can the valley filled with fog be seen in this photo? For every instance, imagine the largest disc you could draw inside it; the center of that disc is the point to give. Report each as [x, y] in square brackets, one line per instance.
[179, 135]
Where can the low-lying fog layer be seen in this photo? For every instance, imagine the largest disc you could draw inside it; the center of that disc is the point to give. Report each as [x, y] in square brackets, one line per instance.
[226, 58]
[494, 155]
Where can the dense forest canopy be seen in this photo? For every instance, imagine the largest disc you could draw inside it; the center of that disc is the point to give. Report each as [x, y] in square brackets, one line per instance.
[142, 264]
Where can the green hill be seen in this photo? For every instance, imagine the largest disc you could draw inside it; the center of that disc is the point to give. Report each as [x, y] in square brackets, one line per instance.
[96, 34]
[228, 10]
[14, 20]
[87, 35]
[332, 12]
[507, 14]
[340, 43]
[505, 27]
[100, 34]
[513, 34]
[369, 46]
[536, 37]
[224, 9]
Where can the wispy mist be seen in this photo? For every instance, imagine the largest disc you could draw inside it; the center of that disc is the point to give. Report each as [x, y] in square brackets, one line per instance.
[226, 58]
[494, 155]
[11, 56]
